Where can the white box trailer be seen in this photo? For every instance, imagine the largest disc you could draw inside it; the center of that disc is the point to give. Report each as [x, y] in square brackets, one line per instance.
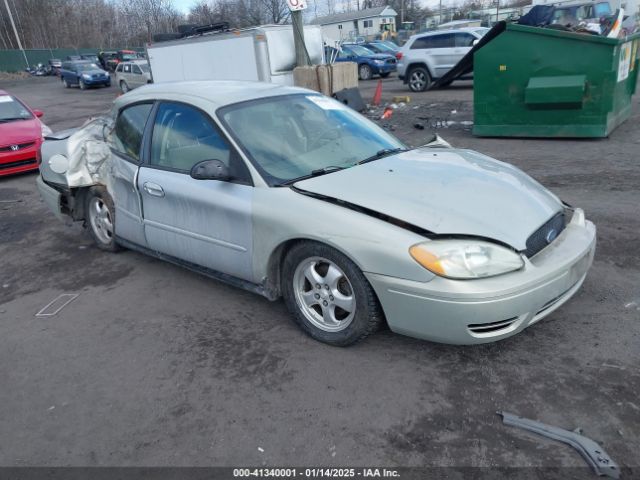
[264, 53]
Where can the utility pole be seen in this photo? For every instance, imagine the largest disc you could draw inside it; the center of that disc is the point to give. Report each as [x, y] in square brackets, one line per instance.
[497, 9]
[296, 7]
[440, 14]
[15, 32]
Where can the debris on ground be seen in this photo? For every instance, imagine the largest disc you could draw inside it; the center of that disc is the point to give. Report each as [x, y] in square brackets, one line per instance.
[418, 126]
[401, 99]
[601, 463]
[387, 113]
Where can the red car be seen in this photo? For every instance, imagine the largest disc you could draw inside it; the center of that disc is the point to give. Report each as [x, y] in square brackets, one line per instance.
[21, 135]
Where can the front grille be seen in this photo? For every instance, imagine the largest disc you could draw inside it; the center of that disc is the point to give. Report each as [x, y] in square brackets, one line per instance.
[546, 234]
[19, 163]
[19, 145]
[391, 60]
[491, 327]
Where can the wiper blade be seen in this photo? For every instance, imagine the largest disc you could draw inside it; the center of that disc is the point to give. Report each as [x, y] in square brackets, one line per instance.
[314, 173]
[385, 152]
[5, 120]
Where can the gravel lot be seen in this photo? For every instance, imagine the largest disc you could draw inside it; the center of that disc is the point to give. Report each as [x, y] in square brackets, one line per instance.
[154, 365]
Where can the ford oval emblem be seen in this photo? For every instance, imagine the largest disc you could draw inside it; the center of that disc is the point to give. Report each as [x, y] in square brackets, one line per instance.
[551, 235]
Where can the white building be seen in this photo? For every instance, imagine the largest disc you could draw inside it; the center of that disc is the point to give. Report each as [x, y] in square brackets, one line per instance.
[348, 26]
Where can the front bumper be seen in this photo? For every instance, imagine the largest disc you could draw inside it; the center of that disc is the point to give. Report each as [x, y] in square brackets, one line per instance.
[385, 68]
[95, 82]
[23, 160]
[51, 197]
[464, 312]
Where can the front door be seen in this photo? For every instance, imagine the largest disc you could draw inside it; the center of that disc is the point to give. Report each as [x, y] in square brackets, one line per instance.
[205, 222]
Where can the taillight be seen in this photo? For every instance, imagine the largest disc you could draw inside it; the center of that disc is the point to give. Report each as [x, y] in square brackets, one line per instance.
[399, 55]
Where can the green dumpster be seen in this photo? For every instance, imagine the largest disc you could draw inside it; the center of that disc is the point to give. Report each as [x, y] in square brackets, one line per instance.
[541, 82]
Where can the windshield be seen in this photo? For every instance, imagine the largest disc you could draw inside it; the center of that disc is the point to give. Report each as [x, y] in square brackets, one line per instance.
[12, 109]
[361, 50]
[383, 47]
[129, 56]
[85, 67]
[481, 31]
[144, 67]
[294, 135]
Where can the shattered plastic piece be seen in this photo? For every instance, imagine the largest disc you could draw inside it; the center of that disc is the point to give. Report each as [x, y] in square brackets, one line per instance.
[595, 456]
[261, 450]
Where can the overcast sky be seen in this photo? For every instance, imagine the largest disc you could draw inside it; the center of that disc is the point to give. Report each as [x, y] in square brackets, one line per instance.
[183, 5]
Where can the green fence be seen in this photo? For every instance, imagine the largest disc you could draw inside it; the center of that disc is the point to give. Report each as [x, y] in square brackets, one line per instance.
[13, 60]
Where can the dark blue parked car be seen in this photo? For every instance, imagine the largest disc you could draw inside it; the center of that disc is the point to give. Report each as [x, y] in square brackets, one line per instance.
[369, 63]
[84, 74]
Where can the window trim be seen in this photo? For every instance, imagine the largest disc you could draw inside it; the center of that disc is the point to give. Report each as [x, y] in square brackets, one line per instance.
[232, 150]
[123, 155]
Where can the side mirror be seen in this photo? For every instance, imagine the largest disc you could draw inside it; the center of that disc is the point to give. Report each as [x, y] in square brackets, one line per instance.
[210, 170]
[38, 113]
[475, 42]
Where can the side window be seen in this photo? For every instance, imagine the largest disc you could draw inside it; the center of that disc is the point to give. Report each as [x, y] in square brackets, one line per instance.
[446, 40]
[127, 68]
[136, 69]
[127, 134]
[464, 39]
[422, 42]
[119, 68]
[184, 136]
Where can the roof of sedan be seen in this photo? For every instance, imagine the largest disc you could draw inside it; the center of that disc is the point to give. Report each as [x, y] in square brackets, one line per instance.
[219, 92]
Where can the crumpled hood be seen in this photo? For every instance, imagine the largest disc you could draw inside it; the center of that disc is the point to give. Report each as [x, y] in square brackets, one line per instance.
[446, 191]
[20, 131]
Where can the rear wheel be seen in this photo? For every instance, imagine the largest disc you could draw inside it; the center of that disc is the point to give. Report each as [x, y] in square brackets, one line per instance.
[365, 72]
[419, 79]
[329, 297]
[100, 218]
[124, 88]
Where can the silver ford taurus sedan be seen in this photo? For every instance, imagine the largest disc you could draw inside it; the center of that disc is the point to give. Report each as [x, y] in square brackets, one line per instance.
[285, 192]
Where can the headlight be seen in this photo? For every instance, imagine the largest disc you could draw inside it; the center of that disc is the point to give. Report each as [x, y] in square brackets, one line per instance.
[86, 77]
[465, 259]
[45, 130]
[379, 62]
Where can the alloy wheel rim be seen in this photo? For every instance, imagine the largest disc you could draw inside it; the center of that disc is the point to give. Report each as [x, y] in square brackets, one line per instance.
[418, 80]
[101, 222]
[324, 294]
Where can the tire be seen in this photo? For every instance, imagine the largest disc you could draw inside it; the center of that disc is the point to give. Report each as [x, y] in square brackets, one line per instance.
[418, 79]
[345, 285]
[365, 72]
[124, 88]
[100, 218]
[65, 83]
[82, 85]
[385, 74]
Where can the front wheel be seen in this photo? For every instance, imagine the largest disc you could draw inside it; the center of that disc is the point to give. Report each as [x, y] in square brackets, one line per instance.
[419, 79]
[100, 218]
[329, 297]
[65, 83]
[83, 85]
[365, 72]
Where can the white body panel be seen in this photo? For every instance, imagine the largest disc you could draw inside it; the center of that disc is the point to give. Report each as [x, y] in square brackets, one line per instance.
[264, 54]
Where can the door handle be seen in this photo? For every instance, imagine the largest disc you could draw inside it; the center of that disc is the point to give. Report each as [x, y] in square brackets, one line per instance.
[153, 189]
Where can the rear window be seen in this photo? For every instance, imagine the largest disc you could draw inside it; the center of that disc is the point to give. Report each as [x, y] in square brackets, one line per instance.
[129, 129]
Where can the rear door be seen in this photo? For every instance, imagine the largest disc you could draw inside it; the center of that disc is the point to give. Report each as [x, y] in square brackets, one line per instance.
[137, 77]
[203, 222]
[443, 52]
